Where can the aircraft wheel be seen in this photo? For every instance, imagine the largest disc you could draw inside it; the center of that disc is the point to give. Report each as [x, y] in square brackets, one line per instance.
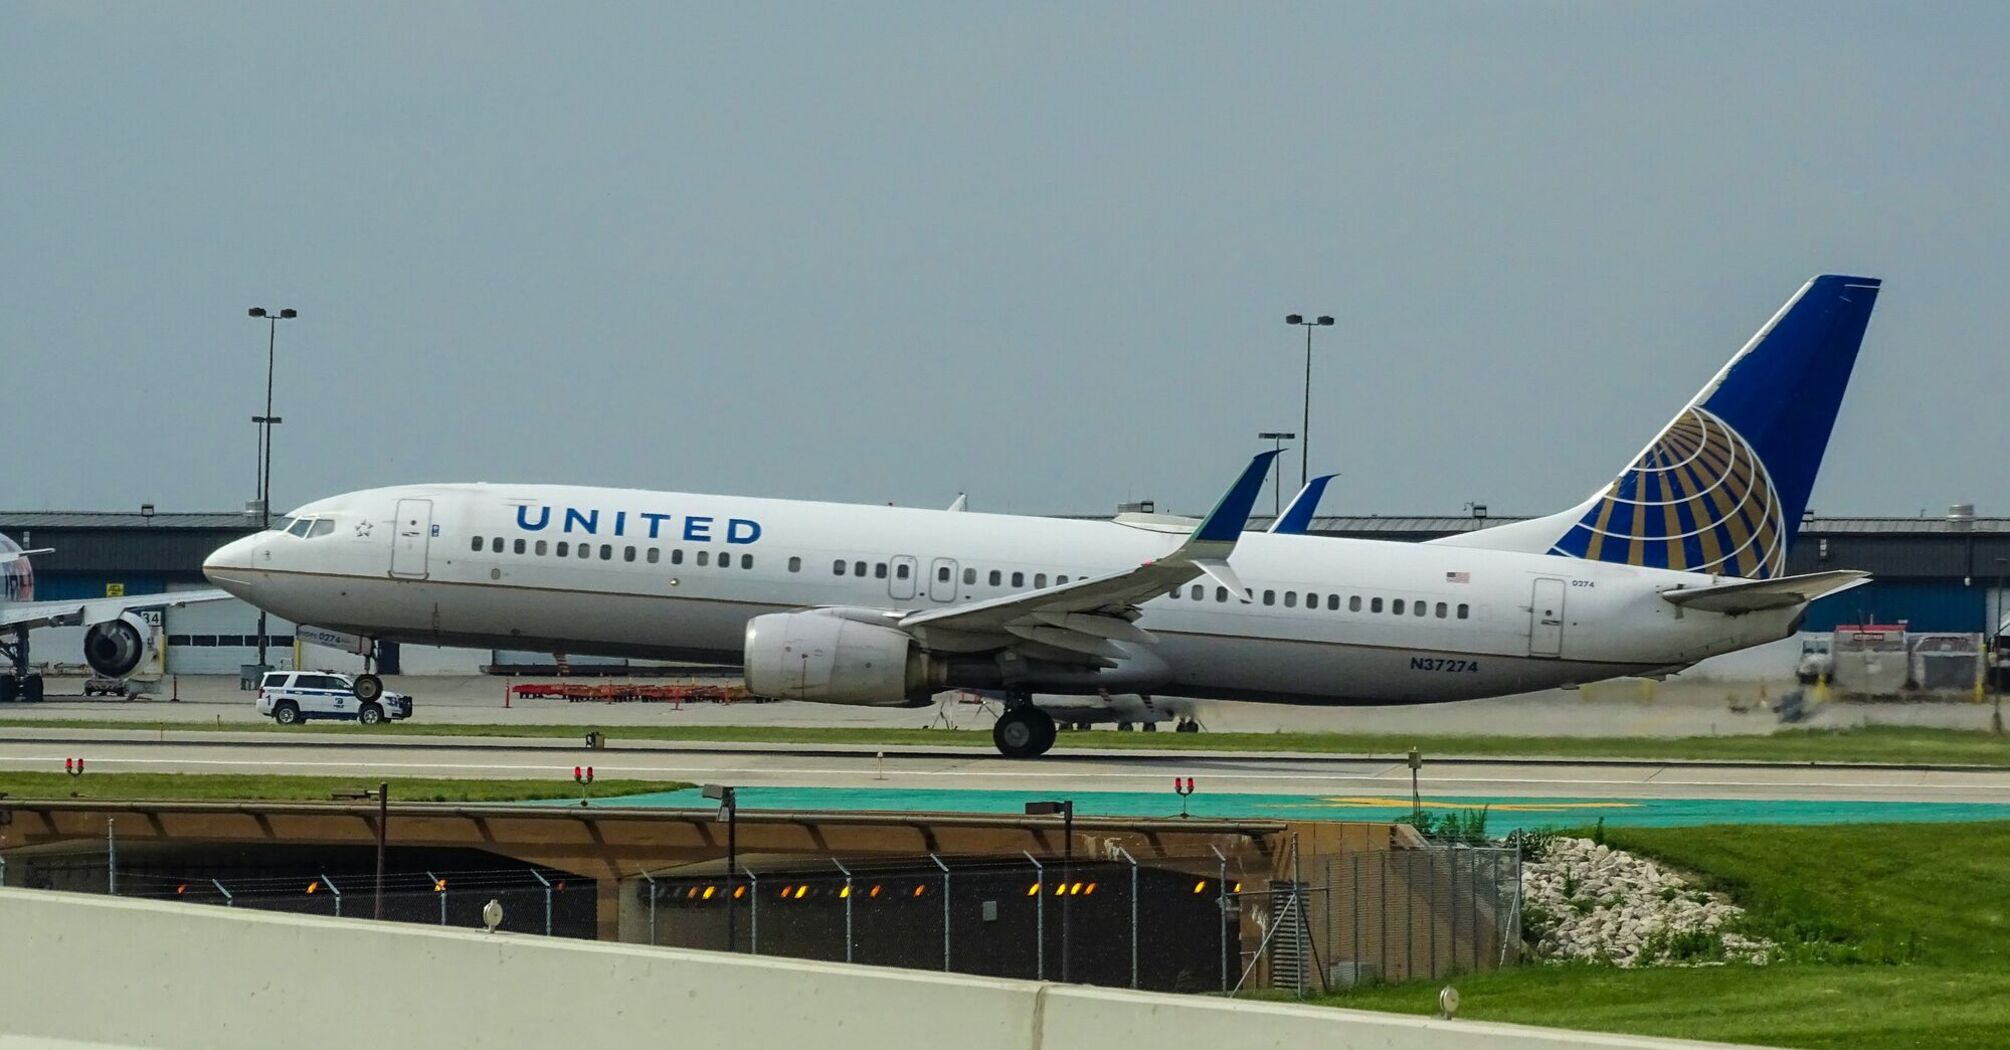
[1023, 732]
[368, 687]
[1187, 727]
[1149, 727]
[10, 687]
[31, 688]
[1123, 727]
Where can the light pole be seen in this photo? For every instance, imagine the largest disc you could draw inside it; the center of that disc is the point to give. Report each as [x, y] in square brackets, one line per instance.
[1066, 808]
[1996, 654]
[1305, 428]
[1277, 438]
[729, 811]
[265, 425]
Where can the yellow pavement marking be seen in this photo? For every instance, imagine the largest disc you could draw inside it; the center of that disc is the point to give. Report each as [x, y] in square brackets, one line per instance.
[1507, 807]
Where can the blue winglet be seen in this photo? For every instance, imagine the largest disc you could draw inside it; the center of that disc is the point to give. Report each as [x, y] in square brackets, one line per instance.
[1224, 524]
[1297, 518]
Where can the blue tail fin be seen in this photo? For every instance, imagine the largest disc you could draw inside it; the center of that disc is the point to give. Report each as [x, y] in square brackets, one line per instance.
[1722, 488]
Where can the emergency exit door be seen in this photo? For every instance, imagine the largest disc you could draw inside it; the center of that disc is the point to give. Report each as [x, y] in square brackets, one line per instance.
[1545, 619]
[900, 587]
[414, 534]
[942, 580]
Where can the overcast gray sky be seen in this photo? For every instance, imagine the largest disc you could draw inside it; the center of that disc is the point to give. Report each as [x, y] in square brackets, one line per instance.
[1040, 252]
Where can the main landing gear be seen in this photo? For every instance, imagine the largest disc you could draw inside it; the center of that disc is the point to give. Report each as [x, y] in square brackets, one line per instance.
[1023, 731]
[15, 681]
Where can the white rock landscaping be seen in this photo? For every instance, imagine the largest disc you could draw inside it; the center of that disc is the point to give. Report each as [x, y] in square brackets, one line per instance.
[1588, 902]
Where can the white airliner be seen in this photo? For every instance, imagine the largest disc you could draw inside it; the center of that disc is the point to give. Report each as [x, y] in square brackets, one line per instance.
[114, 645]
[1678, 559]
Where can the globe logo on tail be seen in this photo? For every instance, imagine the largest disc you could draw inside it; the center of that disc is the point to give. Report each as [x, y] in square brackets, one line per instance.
[1697, 500]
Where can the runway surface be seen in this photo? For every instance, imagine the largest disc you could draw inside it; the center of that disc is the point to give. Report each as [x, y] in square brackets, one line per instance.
[1118, 783]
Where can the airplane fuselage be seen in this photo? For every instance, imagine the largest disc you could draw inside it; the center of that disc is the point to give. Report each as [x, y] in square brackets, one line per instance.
[678, 575]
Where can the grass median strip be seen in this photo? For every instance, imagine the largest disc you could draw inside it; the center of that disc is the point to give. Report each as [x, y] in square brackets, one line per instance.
[1885, 744]
[1894, 935]
[230, 787]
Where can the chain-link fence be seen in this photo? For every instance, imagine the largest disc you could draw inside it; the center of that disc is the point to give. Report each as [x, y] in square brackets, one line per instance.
[1172, 924]
[534, 899]
[1099, 921]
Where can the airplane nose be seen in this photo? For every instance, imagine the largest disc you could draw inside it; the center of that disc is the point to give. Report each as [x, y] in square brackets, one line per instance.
[229, 566]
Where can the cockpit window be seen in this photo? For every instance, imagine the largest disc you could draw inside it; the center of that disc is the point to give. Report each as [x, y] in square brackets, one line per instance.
[322, 527]
[299, 527]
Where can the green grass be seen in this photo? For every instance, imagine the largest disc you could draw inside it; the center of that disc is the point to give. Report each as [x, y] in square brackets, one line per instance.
[226, 787]
[1894, 936]
[1825, 1006]
[1897, 744]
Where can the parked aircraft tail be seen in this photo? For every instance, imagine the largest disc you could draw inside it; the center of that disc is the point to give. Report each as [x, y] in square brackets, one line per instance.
[1722, 488]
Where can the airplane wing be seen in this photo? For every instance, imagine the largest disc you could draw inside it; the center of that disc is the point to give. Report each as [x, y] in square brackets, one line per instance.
[1082, 619]
[1297, 518]
[87, 611]
[1746, 596]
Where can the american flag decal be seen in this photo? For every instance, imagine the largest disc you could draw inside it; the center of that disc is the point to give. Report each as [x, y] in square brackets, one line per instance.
[1458, 577]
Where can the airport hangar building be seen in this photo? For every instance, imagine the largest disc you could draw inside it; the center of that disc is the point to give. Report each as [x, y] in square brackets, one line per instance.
[1933, 573]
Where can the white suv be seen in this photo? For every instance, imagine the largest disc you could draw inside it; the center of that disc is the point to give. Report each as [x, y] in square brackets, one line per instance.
[292, 697]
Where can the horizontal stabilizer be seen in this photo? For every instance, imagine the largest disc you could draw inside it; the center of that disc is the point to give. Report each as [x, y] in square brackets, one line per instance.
[1759, 595]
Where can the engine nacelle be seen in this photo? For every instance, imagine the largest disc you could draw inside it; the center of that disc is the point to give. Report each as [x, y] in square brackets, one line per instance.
[828, 658]
[114, 648]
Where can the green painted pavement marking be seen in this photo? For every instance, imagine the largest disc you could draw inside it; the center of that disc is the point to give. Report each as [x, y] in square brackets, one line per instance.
[1504, 814]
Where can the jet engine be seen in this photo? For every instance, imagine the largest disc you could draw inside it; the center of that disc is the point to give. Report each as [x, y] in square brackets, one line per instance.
[114, 648]
[830, 658]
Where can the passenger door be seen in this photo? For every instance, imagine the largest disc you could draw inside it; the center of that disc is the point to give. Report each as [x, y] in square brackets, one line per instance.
[900, 587]
[942, 580]
[1545, 619]
[414, 528]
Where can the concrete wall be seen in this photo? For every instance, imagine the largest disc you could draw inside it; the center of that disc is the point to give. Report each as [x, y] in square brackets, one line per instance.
[97, 970]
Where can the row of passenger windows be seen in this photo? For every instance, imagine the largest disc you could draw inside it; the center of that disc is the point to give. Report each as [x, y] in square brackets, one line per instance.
[901, 571]
[651, 555]
[996, 578]
[1355, 603]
